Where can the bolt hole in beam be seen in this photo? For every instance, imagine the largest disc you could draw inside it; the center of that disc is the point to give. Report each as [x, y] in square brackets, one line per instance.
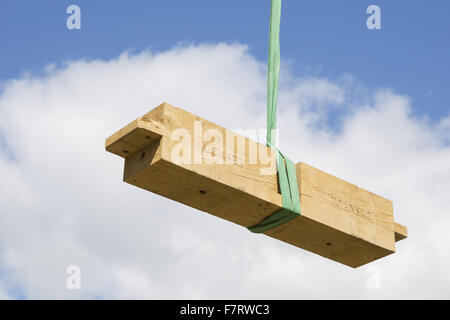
[142, 155]
[325, 198]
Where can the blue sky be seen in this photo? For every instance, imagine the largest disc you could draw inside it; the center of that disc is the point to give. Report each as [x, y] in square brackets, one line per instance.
[322, 37]
[63, 202]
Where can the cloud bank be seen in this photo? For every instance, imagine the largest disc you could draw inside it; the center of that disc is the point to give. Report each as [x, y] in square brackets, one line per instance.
[62, 201]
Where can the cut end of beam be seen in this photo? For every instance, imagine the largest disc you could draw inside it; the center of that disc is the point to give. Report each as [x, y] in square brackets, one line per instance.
[338, 220]
[401, 232]
[138, 134]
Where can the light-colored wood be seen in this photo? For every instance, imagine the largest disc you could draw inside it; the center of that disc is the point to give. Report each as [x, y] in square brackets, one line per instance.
[338, 221]
[401, 232]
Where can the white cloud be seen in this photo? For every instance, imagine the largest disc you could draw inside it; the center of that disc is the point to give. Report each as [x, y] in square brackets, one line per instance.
[62, 201]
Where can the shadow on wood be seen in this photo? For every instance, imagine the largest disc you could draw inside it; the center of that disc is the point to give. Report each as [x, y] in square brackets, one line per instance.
[166, 153]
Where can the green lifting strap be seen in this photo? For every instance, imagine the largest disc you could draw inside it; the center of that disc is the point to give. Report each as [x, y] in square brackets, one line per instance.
[287, 178]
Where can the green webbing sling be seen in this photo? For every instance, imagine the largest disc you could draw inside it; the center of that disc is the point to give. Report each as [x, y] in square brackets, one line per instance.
[287, 178]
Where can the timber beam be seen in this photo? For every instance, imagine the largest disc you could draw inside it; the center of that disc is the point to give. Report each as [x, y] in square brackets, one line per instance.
[180, 156]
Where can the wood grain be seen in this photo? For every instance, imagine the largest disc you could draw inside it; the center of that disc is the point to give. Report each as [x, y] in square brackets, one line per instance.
[339, 220]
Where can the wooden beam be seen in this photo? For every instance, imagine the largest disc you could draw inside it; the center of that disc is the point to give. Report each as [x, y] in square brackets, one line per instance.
[401, 232]
[339, 220]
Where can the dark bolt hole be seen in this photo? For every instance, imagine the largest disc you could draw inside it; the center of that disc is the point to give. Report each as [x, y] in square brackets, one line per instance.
[142, 155]
[202, 191]
[328, 243]
[125, 151]
[148, 138]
